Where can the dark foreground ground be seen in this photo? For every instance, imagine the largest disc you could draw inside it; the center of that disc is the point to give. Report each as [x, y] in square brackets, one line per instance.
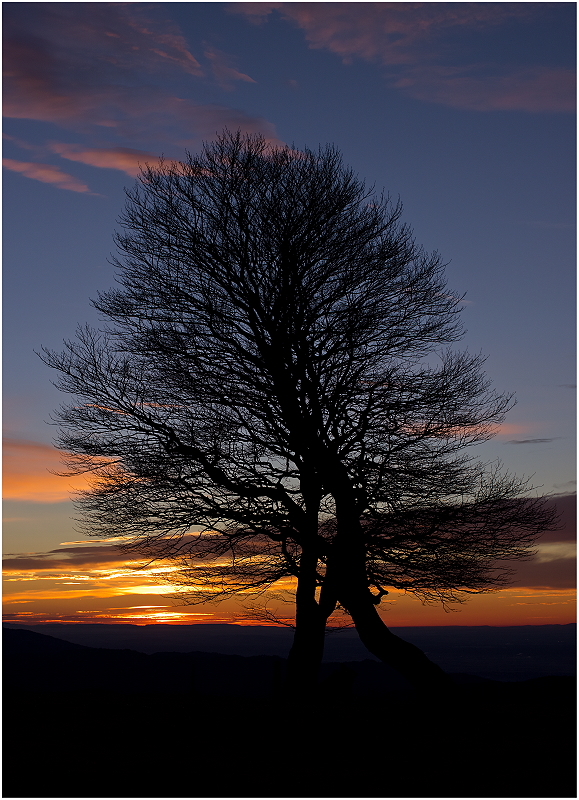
[85, 722]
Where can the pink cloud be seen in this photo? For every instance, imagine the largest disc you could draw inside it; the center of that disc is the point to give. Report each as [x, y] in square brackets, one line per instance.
[45, 173]
[224, 72]
[29, 473]
[407, 37]
[387, 32]
[107, 66]
[209, 120]
[512, 429]
[255, 12]
[124, 159]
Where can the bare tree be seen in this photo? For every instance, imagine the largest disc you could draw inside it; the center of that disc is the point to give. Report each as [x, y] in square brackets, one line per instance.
[270, 396]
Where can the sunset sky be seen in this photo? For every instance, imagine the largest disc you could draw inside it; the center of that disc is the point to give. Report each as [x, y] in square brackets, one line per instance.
[463, 110]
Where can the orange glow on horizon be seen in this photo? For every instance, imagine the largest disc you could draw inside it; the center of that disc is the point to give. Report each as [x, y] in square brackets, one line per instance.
[93, 583]
[28, 473]
[38, 604]
[91, 580]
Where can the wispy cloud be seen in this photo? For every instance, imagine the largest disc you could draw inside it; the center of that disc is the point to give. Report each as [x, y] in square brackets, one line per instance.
[45, 173]
[413, 40]
[65, 558]
[511, 429]
[555, 551]
[149, 614]
[222, 66]
[85, 583]
[94, 581]
[391, 33]
[569, 485]
[112, 70]
[28, 473]
[532, 441]
[475, 87]
[125, 159]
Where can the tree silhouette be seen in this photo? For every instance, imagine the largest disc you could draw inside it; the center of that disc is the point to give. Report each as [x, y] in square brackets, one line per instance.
[270, 397]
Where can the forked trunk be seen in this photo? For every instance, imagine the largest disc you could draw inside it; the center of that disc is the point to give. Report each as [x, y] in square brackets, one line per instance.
[348, 576]
[407, 659]
[305, 657]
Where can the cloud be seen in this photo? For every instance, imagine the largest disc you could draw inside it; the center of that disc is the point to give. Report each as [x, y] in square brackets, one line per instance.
[532, 441]
[472, 87]
[121, 614]
[105, 38]
[566, 531]
[547, 573]
[27, 476]
[96, 582]
[391, 33]
[555, 551]
[39, 150]
[554, 566]
[169, 46]
[65, 558]
[45, 173]
[125, 159]
[255, 12]
[511, 428]
[221, 66]
[82, 573]
[108, 69]
[411, 39]
[567, 485]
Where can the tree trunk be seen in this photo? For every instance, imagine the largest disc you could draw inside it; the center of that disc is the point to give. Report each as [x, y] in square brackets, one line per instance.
[407, 659]
[305, 657]
[348, 581]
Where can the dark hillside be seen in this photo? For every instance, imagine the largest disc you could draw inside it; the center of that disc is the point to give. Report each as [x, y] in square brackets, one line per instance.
[117, 723]
[26, 642]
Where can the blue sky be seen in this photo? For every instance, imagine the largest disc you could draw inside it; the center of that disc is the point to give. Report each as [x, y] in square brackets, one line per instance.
[463, 110]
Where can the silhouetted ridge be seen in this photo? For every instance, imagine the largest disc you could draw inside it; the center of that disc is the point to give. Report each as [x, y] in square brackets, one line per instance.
[20, 641]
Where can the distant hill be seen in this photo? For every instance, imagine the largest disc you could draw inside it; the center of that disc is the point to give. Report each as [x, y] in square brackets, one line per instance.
[33, 661]
[497, 653]
[26, 642]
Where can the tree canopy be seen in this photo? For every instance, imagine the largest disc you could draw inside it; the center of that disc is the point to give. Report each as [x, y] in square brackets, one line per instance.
[273, 393]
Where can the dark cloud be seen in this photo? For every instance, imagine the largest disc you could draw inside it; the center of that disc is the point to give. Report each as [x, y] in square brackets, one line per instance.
[555, 574]
[64, 558]
[553, 566]
[531, 441]
[566, 507]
